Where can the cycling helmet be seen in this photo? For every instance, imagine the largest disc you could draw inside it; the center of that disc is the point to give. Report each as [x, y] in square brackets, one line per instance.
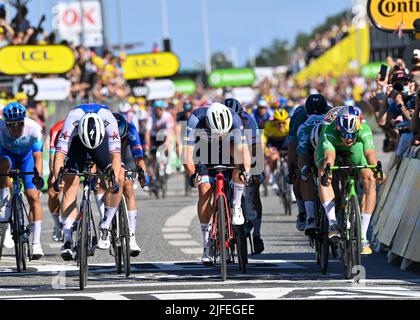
[123, 125]
[91, 130]
[262, 103]
[316, 104]
[348, 122]
[14, 112]
[234, 105]
[219, 119]
[125, 107]
[315, 134]
[281, 115]
[188, 106]
[159, 104]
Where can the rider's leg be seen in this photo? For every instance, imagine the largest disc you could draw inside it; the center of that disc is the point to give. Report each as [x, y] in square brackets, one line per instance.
[307, 191]
[100, 199]
[36, 214]
[368, 199]
[238, 191]
[69, 212]
[5, 166]
[327, 197]
[204, 209]
[131, 205]
[54, 206]
[112, 201]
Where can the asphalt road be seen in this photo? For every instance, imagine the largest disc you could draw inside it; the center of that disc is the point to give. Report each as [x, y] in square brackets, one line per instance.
[168, 267]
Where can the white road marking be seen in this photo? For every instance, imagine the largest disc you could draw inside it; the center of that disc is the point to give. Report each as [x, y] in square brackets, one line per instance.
[187, 296]
[176, 236]
[192, 251]
[174, 229]
[186, 243]
[182, 218]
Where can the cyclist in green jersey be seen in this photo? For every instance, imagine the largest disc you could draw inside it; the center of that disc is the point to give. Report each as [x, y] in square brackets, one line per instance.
[350, 134]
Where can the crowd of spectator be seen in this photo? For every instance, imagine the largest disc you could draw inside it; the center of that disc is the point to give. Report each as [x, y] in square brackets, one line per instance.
[320, 44]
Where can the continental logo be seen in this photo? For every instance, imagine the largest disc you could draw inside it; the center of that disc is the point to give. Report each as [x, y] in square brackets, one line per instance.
[390, 15]
[151, 65]
[21, 60]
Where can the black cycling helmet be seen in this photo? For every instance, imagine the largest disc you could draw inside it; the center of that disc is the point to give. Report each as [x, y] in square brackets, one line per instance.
[234, 105]
[123, 125]
[188, 106]
[316, 104]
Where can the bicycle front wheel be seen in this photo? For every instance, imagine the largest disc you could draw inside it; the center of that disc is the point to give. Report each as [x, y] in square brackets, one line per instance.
[3, 228]
[83, 244]
[124, 237]
[324, 245]
[221, 223]
[353, 259]
[17, 235]
[241, 247]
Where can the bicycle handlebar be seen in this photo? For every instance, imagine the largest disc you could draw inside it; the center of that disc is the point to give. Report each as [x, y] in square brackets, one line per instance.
[329, 169]
[87, 175]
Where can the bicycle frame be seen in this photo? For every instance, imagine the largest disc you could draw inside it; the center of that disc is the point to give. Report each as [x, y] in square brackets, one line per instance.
[220, 192]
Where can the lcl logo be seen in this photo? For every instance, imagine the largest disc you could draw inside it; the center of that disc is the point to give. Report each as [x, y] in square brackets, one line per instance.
[147, 62]
[36, 56]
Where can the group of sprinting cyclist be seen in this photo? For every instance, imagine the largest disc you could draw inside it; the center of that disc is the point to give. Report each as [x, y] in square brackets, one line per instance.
[220, 133]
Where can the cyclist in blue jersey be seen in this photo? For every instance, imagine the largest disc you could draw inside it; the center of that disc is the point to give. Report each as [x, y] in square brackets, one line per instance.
[315, 104]
[21, 147]
[215, 135]
[90, 130]
[132, 159]
[262, 114]
[253, 204]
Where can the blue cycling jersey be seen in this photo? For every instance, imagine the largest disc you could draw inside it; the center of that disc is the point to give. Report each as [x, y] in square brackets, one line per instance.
[133, 140]
[30, 141]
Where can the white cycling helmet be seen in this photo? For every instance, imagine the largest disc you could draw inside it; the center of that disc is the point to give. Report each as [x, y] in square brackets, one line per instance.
[219, 119]
[125, 107]
[91, 130]
[315, 134]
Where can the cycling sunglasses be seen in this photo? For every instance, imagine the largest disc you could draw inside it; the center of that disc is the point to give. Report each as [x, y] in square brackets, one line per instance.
[17, 124]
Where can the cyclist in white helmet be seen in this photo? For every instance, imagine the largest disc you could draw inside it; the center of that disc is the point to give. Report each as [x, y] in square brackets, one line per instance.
[210, 129]
[89, 131]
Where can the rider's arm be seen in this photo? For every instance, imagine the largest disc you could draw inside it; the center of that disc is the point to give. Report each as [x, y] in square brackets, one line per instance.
[114, 141]
[189, 145]
[38, 149]
[39, 162]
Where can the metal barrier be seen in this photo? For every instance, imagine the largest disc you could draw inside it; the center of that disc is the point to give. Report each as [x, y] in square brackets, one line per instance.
[397, 217]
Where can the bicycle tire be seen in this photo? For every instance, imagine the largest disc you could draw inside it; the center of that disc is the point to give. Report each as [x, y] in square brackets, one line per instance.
[324, 245]
[3, 228]
[124, 237]
[116, 247]
[16, 231]
[83, 244]
[354, 245]
[241, 247]
[221, 216]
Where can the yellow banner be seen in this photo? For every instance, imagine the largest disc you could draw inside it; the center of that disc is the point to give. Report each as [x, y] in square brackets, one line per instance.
[20, 60]
[150, 65]
[391, 15]
[348, 55]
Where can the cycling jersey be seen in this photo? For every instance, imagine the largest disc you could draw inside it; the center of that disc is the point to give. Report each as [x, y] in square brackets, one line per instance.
[250, 128]
[133, 141]
[330, 140]
[70, 128]
[166, 121]
[273, 137]
[298, 118]
[262, 120]
[304, 135]
[54, 135]
[30, 141]
[197, 126]
[19, 151]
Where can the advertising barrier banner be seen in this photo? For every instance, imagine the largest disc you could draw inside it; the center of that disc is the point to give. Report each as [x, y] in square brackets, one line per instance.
[151, 65]
[22, 60]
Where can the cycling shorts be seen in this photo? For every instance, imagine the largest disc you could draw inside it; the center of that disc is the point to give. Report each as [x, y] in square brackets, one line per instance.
[25, 163]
